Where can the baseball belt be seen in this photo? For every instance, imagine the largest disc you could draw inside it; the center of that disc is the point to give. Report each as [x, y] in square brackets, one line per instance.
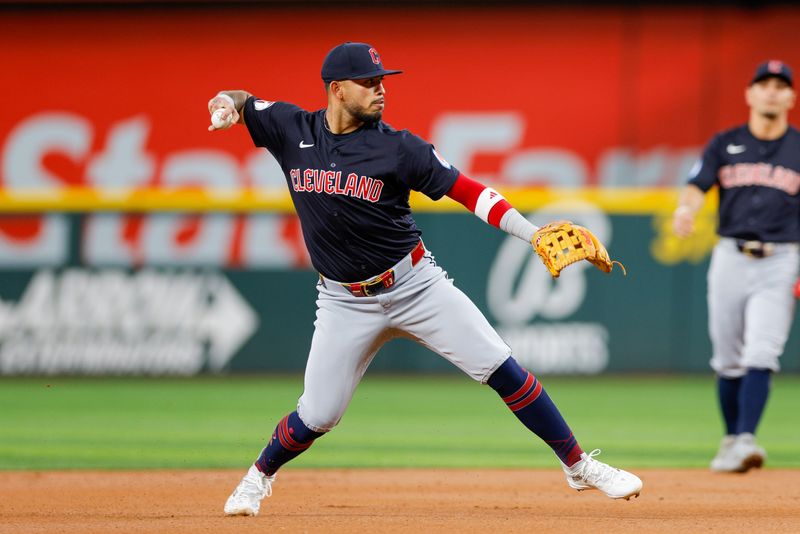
[755, 249]
[385, 280]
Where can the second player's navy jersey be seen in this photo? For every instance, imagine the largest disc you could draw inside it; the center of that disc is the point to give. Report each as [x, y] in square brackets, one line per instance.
[759, 182]
[350, 191]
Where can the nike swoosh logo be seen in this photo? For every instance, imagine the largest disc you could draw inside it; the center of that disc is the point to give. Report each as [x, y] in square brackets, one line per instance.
[735, 149]
[303, 145]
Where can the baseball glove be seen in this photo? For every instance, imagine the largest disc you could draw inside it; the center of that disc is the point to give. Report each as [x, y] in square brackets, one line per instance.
[563, 243]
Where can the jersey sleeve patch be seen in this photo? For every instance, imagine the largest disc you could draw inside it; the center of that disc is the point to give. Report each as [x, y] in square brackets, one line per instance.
[695, 170]
[267, 122]
[439, 157]
[422, 169]
[704, 172]
[261, 105]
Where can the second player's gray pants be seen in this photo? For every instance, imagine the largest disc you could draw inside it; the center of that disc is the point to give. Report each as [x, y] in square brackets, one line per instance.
[750, 307]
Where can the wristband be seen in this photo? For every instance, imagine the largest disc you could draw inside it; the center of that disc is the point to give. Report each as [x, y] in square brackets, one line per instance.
[227, 98]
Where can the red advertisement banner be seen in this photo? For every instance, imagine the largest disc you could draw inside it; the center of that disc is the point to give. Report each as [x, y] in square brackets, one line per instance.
[107, 104]
[569, 97]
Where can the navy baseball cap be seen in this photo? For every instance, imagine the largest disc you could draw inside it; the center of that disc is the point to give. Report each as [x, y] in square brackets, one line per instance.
[353, 61]
[773, 68]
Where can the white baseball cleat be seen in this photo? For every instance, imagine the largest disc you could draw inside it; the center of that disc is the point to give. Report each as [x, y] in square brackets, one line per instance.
[722, 460]
[246, 498]
[589, 473]
[742, 455]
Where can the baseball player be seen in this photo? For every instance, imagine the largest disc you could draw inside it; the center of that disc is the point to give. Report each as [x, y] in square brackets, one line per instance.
[349, 175]
[754, 266]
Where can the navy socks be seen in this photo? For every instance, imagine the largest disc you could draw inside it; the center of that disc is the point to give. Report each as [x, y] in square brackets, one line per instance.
[753, 395]
[290, 438]
[742, 400]
[520, 390]
[728, 392]
[525, 396]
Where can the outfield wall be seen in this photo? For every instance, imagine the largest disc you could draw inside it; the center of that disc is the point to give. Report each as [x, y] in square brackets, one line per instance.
[89, 308]
[133, 240]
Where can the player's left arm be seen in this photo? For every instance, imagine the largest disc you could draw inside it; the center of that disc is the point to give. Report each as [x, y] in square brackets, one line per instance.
[558, 244]
[423, 169]
[491, 207]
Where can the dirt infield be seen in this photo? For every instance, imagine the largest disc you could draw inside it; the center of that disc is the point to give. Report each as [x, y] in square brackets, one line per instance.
[396, 500]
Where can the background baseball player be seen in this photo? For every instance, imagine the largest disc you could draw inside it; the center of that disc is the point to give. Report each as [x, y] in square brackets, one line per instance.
[753, 267]
[349, 175]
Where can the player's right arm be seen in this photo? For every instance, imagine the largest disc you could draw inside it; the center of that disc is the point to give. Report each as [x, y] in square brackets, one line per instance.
[230, 101]
[691, 200]
[702, 177]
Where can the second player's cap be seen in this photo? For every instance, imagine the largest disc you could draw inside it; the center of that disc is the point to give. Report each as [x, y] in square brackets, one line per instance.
[775, 68]
[353, 61]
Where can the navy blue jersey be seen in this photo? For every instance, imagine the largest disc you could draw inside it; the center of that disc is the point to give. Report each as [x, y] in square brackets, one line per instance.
[759, 182]
[350, 191]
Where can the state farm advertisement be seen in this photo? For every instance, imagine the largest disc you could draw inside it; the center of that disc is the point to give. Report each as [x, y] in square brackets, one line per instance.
[116, 98]
[112, 102]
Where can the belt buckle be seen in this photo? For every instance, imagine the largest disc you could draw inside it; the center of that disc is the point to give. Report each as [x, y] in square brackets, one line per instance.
[753, 249]
[384, 281]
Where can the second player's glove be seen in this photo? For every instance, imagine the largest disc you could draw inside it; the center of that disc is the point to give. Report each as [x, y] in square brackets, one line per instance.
[563, 243]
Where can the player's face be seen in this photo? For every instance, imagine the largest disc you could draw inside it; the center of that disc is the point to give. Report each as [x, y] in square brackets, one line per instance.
[364, 99]
[770, 97]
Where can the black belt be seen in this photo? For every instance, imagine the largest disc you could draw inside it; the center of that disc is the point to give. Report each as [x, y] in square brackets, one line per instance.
[755, 249]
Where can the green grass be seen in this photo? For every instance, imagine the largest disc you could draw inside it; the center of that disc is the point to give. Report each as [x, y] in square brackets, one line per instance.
[638, 421]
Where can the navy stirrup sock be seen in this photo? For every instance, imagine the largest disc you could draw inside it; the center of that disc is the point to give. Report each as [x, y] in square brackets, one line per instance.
[728, 392]
[525, 396]
[753, 395]
[290, 438]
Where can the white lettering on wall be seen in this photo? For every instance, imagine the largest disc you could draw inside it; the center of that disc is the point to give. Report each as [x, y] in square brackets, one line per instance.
[459, 137]
[520, 289]
[111, 321]
[111, 239]
[124, 160]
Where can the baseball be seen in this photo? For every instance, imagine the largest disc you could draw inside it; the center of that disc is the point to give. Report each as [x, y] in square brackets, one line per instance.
[218, 122]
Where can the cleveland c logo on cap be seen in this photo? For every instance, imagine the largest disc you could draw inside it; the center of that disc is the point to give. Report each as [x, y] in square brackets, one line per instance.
[374, 55]
[775, 66]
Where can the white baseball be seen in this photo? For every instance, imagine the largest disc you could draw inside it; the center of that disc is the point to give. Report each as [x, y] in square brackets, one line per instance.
[218, 122]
